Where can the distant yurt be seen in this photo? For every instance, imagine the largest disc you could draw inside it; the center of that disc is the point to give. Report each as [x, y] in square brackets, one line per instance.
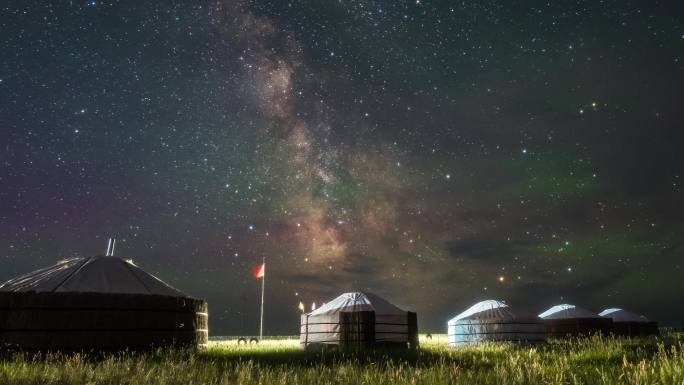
[355, 320]
[626, 323]
[495, 321]
[569, 320]
[97, 303]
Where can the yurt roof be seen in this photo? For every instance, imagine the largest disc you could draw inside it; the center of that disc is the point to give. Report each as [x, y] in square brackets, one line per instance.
[621, 315]
[91, 275]
[490, 310]
[357, 301]
[567, 311]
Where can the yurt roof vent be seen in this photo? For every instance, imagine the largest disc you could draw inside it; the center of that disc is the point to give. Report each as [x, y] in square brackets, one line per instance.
[110, 247]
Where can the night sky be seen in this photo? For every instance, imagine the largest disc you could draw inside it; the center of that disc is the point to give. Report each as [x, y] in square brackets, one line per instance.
[436, 153]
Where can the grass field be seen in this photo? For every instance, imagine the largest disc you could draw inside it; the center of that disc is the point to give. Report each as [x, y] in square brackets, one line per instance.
[581, 361]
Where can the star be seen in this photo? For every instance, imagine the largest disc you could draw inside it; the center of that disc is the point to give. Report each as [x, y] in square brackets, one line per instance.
[209, 135]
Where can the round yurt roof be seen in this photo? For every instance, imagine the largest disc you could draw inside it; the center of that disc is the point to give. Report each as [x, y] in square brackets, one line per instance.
[567, 311]
[357, 301]
[621, 315]
[91, 275]
[490, 310]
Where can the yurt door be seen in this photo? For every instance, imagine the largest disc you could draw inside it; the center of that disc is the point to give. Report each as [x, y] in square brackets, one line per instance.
[357, 329]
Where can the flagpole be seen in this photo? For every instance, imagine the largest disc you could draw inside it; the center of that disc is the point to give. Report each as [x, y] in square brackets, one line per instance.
[263, 284]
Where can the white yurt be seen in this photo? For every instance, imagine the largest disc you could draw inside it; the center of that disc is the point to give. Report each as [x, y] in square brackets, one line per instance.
[568, 320]
[99, 303]
[626, 323]
[493, 320]
[359, 320]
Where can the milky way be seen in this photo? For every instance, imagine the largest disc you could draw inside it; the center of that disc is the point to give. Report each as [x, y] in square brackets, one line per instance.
[435, 153]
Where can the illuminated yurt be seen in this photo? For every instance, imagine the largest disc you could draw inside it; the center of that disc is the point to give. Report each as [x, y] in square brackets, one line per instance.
[359, 320]
[569, 320]
[495, 321]
[626, 323]
[99, 303]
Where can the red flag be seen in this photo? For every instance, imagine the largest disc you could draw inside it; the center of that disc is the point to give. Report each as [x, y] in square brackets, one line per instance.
[260, 270]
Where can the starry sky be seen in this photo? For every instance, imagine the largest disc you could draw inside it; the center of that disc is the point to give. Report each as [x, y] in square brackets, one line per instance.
[435, 153]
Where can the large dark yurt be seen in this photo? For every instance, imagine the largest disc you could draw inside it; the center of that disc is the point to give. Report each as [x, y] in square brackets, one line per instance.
[355, 320]
[493, 320]
[626, 323]
[98, 303]
[569, 320]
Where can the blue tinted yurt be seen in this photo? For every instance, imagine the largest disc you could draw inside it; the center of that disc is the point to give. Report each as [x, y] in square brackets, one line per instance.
[495, 321]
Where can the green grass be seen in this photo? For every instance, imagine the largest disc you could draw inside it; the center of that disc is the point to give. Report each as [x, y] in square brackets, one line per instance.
[593, 360]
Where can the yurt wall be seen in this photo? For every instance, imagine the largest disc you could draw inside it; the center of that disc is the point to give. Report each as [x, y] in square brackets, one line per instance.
[635, 329]
[346, 329]
[571, 327]
[77, 321]
[396, 329]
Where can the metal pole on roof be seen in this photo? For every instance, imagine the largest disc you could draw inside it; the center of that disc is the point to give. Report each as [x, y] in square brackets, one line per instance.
[109, 246]
[113, 245]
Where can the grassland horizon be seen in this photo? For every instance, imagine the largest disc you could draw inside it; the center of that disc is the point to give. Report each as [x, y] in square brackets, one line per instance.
[279, 360]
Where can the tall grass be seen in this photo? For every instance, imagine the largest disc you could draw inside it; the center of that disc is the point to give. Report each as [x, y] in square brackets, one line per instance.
[595, 360]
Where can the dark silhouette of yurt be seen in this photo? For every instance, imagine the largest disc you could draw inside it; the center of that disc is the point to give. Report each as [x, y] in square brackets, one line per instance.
[626, 323]
[570, 321]
[495, 321]
[97, 303]
[356, 320]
